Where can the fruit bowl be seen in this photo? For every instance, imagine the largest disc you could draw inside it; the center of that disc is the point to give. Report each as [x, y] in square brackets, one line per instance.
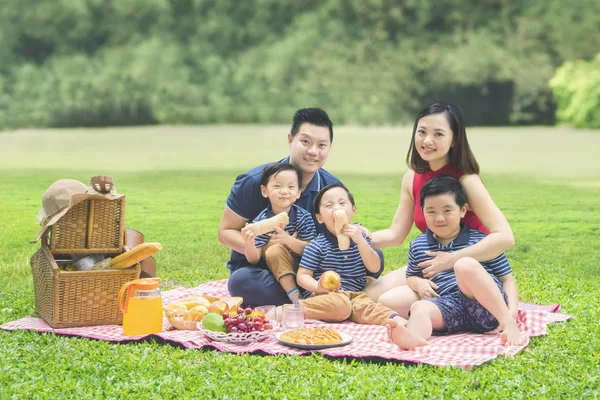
[239, 337]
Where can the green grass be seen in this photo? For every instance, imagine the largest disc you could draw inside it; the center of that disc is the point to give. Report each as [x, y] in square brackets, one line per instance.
[176, 197]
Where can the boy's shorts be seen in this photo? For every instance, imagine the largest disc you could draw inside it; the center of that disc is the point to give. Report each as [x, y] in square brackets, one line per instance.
[463, 315]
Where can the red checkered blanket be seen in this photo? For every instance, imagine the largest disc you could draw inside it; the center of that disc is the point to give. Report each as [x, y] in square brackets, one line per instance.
[462, 350]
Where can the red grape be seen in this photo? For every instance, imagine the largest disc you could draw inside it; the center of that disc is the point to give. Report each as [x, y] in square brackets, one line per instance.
[240, 310]
[233, 329]
[267, 326]
[228, 321]
[225, 315]
[248, 311]
[242, 326]
[240, 319]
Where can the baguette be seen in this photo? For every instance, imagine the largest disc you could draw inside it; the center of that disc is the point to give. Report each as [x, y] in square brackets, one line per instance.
[341, 219]
[137, 254]
[267, 225]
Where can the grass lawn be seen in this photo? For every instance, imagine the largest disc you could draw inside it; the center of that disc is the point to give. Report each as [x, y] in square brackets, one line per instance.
[176, 181]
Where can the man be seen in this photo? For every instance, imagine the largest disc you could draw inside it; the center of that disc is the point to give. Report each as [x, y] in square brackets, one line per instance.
[309, 140]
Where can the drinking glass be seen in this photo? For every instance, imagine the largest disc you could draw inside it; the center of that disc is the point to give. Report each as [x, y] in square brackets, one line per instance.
[293, 317]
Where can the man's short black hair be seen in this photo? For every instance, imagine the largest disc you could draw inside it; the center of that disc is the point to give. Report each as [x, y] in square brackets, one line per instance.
[313, 116]
[444, 184]
[275, 168]
[317, 201]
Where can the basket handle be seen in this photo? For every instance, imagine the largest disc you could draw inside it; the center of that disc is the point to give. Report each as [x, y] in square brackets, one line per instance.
[128, 286]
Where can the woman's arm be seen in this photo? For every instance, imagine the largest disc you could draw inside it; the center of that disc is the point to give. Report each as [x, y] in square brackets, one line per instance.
[403, 219]
[498, 241]
[510, 287]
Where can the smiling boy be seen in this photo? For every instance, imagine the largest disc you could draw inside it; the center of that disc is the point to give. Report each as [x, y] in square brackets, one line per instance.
[474, 297]
[280, 183]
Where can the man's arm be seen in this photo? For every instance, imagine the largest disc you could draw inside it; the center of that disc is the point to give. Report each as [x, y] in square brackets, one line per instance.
[229, 230]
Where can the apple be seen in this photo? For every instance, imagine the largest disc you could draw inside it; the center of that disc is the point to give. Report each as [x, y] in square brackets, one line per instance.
[218, 307]
[330, 280]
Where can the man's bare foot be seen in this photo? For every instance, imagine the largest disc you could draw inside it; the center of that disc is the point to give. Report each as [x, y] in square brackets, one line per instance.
[399, 334]
[511, 335]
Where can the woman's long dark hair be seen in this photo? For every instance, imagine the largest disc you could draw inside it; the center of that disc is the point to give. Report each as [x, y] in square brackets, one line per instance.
[460, 153]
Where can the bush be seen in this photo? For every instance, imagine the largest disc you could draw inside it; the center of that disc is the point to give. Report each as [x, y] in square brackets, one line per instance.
[576, 89]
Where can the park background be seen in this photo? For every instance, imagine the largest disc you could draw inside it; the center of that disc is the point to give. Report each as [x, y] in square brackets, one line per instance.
[210, 88]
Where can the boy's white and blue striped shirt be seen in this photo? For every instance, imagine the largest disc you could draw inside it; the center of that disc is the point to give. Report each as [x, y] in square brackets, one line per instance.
[300, 221]
[446, 280]
[323, 254]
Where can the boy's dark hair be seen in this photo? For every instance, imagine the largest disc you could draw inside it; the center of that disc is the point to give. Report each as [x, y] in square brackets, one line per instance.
[275, 168]
[460, 155]
[444, 184]
[317, 201]
[314, 116]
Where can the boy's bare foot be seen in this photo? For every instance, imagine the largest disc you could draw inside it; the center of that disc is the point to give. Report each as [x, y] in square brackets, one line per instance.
[399, 334]
[511, 335]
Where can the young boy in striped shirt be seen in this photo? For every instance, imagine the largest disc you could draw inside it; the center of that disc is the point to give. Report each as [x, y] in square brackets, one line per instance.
[323, 254]
[281, 183]
[473, 297]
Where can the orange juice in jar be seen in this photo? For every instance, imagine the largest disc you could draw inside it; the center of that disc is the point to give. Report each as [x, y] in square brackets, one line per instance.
[142, 307]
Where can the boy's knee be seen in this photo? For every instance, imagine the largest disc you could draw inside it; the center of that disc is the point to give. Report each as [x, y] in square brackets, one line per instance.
[420, 306]
[465, 265]
[274, 252]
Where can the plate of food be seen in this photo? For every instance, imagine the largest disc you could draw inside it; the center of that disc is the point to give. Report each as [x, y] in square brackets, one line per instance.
[313, 338]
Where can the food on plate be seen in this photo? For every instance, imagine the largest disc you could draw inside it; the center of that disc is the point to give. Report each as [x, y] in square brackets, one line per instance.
[213, 322]
[312, 336]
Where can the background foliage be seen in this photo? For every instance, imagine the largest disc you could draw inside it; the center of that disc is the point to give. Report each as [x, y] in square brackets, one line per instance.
[576, 87]
[119, 62]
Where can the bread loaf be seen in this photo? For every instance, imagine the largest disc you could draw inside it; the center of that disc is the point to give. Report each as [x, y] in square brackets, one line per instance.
[267, 225]
[341, 219]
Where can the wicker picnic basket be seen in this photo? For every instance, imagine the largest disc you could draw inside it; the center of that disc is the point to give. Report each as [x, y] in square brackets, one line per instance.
[67, 299]
[94, 226]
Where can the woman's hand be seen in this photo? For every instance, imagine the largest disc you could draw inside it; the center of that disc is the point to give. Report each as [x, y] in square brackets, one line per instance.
[441, 261]
[426, 289]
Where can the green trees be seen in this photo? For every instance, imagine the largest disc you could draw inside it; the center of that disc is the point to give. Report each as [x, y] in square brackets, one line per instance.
[576, 88]
[102, 62]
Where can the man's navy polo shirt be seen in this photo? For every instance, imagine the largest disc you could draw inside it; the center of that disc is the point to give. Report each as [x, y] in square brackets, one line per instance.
[323, 254]
[446, 280]
[246, 201]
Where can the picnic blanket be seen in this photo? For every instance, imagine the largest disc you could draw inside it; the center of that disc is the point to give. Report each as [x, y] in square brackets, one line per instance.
[369, 341]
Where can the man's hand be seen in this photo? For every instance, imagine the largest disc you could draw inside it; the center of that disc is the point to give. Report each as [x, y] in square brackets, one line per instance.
[441, 261]
[426, 289]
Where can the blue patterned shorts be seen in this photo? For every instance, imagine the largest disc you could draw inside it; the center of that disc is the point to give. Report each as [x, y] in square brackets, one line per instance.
[463, 315]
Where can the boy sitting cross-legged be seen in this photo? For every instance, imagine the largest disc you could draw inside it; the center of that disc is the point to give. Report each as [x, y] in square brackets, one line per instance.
[323, 254]
[474, 297]
[282, 248]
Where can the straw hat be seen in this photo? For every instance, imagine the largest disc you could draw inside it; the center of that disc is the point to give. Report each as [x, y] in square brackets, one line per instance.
[60, 197]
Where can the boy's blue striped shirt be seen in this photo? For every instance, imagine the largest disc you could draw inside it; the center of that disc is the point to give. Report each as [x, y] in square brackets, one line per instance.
[323, 254]
[446, 280]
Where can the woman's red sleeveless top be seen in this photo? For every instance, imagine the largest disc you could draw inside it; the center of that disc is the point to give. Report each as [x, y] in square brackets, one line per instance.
[470, 219]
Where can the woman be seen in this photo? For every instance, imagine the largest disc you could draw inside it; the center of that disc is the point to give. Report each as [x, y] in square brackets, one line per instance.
[438, 146]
